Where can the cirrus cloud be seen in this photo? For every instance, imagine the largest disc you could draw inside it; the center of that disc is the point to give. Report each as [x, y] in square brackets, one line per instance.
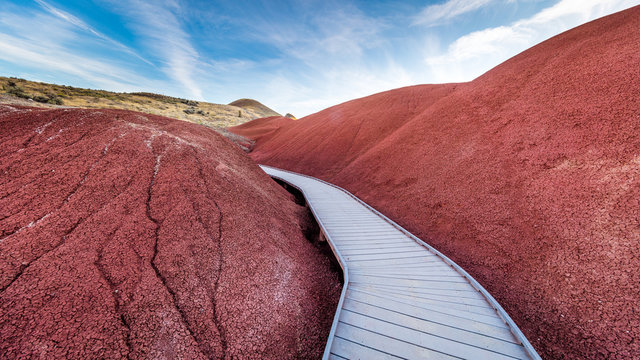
[475, 53]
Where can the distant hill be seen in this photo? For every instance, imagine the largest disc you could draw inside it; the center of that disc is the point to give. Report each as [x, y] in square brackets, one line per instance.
[25, 92]
[254, 107]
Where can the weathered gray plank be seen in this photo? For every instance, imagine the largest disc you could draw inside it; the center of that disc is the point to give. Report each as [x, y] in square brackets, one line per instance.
[460, 310]
[460, 344]
[469, 301]
[408, 273]
[501, 332]
[426, 291]
[443, 283]
[397, 260]
[401, 255]
[336, 357]
[390, 344]
[352, 350]
[374, 251]
[368, 246]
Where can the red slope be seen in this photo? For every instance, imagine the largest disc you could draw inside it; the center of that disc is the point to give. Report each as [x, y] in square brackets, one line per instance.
[528, 177]
[261, 127]
[131, 235]
[371, 119]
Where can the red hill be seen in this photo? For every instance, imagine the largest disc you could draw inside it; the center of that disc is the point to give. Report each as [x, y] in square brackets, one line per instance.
[124, 235]
[529, 177]
[261, 127]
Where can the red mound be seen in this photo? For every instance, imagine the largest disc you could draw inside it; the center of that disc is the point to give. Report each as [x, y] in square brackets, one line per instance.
[130, 235]
[529, 177]
[370, 120]
[261, 127]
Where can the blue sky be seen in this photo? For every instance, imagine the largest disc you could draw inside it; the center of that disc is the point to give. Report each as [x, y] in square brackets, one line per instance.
[294, 56]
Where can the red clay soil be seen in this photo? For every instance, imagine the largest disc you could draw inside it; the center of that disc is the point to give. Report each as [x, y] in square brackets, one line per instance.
[261, 127]
[138, 236]
[528, 177]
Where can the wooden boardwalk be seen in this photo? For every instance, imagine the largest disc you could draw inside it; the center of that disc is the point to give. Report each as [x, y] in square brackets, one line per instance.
[402, 298]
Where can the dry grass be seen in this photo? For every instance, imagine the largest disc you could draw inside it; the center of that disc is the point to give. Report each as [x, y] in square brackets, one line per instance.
[211, 115]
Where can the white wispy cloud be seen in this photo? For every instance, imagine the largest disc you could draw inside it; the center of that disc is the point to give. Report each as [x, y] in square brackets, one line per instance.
[334, 56]
[436, 14]
[473, 54]
[74, 20]
[159, 23]
[303, 96]
[57, 59]
[51, 49]
[339, 32]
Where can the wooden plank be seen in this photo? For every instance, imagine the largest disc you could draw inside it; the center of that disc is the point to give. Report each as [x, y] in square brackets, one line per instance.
[369, 241]
[370, 237]
[409, 267]
[469, 301]
[371, 226]
[488, 316]
[427, 291]
[351, 350]
[442, 271]
[448, 284]
[392, 262]
[363, 234]
[371, 219]
[394, 234]
[390, 344]
[365, 229]
[337, 357]
[379, 246]
[500, 332]
[375, 251]
[444, 276]
[347, 245]
[444, 339]
[406, 254]
[485, 315]
[397, 260]
[359, 223]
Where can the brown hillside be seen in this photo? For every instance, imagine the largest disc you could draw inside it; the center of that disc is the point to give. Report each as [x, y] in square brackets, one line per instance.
[528, 177]
[15, 91]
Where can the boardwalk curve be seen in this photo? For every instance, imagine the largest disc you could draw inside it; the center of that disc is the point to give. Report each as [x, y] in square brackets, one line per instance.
[402, 299]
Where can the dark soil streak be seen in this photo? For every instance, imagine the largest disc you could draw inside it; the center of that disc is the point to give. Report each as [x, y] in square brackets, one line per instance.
[24, 267]
[117, 299]
[355, 136]
[157, 224]
[216, 313]
[67, 198]
[200, 221]
[217, 321]
[26, 143]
